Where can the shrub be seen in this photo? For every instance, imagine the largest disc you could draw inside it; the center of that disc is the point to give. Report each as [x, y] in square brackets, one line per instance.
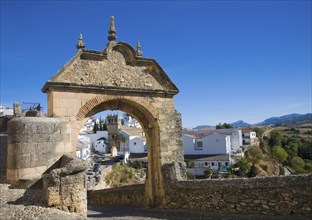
[279, 153]
[190, 176]
[297, 164]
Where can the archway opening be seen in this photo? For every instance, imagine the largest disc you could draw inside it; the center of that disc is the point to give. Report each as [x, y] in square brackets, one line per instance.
[114, 144]
[150, 130]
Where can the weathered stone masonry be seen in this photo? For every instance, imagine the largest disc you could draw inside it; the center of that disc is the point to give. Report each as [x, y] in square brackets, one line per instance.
[287, 195]
[34, 144]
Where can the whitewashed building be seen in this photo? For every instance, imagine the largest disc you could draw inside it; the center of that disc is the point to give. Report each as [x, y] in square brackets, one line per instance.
[135, 141]
[100, 145]
[235, 136]
[250, 138]
[205, 152]
[205, 145]
[83, 147]
[129, 121]
[201, 163]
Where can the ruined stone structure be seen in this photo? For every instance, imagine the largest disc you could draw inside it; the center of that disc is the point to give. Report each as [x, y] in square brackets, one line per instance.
[34, 144]
[64, 185]
[119, 78]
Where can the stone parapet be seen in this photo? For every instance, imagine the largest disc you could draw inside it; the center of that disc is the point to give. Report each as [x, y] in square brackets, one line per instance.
[287, 195]
[133, 195]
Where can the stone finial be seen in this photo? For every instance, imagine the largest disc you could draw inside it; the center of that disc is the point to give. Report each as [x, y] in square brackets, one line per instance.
[81, 44]
[112, 30]
[139, 52]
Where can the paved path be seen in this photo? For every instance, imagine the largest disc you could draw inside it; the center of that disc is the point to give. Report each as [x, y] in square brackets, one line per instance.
[16, 205]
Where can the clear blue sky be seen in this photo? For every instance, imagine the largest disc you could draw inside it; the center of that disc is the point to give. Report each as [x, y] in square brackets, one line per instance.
[231, 60]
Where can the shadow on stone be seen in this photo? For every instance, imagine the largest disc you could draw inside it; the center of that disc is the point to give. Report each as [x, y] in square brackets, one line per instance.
[32, 196]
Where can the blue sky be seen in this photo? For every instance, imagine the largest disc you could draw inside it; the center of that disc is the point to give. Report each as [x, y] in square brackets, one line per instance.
[231, 60]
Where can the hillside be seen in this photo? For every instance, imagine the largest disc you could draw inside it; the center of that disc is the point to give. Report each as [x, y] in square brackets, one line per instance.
[286, 119]
[282, 120]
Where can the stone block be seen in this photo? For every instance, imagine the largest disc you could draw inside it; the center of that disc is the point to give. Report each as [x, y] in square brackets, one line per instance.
[60, 147]
[69, 103]
[11, 175]
[60, 112]
[27, 173]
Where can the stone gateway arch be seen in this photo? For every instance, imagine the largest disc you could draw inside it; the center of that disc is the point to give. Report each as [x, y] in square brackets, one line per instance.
[119, 78]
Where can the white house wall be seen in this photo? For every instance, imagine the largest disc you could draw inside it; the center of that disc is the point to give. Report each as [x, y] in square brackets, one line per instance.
[97, 135]
[188, 144]
[236, 140]
[137, 145]
[212, 144]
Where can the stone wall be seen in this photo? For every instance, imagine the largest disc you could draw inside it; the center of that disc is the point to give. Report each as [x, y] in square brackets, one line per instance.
[133, 195]
[3, 145]
[286, 195]
[3, 154]
[279, 195]
[34, 144]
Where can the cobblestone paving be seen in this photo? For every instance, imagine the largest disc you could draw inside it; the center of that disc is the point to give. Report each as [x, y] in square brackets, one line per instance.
[16, 204]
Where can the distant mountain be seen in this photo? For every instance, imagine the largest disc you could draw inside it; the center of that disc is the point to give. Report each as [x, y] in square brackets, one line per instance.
[286, 119]
[240, 123]
[203, 127]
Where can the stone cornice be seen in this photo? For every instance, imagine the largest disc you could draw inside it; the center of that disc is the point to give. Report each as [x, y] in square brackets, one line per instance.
[95, 89]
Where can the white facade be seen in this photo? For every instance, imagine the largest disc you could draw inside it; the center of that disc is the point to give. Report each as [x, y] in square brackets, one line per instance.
[100, 146]
[135, 141]
[235, 136]
[83, 147]
[129, 121]
[249, 139]
[215, 163]
[210, 144]
[137, 145]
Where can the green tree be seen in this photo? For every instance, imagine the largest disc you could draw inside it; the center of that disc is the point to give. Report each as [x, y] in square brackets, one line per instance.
[190, 176]
[100, 124]
[252, 171]
[308, 167]
[305, 149]
[208, 172]
[275, 139]
[297, 164]
[95, 127]
[241, 168]
[279, 153]
[223, 126]
[104, 126]
[254, 154]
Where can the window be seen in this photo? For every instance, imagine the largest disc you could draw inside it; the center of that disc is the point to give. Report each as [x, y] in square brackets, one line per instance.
[134, 143]
[212, 164]
[226, 164]
[198, 145]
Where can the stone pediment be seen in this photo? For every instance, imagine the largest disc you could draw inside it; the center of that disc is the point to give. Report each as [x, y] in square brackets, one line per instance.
[115, 68]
